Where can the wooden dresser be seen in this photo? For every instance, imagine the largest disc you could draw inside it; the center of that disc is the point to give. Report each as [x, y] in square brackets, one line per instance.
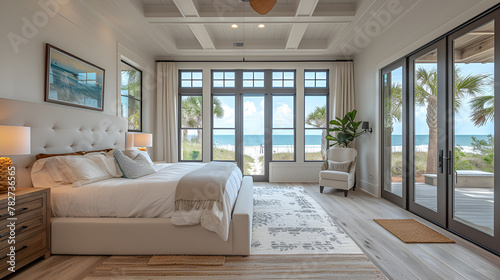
[32, 227]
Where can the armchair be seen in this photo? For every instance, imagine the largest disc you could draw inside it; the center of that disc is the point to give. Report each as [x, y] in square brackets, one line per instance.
[339, 179]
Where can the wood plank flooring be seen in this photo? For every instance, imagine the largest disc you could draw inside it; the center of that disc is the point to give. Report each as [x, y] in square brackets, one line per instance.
[355, 214]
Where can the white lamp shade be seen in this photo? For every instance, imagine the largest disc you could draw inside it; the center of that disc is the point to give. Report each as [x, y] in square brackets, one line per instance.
[143, 140]
[15, 140]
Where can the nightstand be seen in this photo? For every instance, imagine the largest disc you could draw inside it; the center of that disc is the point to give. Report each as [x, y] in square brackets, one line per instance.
[32, 227]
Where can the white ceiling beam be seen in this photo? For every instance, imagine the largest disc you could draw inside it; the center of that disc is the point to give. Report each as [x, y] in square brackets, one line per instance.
[295, 37]
[188, 10]
[306, 8]
[201, 33]
[239, 19]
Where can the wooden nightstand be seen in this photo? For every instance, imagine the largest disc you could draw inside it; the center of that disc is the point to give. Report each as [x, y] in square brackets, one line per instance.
[32, 227]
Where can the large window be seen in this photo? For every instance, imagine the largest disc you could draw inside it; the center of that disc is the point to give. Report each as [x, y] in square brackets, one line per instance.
[224, 129]
[190, 116]
[131, 94]
[283, 128]
[316, 124]
[316, 111]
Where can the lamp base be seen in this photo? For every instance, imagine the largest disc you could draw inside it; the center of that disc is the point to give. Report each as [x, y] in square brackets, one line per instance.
[5, 167]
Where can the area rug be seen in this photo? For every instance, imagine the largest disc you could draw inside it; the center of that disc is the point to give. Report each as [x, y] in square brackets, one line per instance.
[242, 268]
[186, 260]
[286, 220]
[411, 231]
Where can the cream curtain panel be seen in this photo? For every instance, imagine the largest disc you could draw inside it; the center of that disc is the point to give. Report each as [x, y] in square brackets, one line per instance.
[342, 93]
[166, 113]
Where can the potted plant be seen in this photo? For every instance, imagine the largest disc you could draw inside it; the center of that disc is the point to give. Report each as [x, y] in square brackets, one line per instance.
[346, 129]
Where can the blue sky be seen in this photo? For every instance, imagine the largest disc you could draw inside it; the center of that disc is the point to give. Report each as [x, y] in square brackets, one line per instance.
[465, 127]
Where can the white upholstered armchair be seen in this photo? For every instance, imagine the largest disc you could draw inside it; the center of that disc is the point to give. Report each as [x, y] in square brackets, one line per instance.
[344, 180]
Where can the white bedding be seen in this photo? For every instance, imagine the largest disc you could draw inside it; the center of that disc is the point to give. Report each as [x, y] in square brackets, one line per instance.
[150, 196]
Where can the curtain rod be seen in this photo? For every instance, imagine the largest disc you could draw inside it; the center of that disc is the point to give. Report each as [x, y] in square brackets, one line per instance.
[333, 60]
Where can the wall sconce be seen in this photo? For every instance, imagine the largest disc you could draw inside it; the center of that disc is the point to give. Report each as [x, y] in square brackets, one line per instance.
[14, 140]
[366, 127]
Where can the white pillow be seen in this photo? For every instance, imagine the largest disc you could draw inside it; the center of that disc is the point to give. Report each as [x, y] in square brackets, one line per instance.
[106, 162]
[80, 171]
[133, 153]
[42, 178]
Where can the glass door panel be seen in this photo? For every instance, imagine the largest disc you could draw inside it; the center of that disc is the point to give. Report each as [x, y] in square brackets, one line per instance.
[425, 163]
[392, 87]
[254, 152]
[473, 175]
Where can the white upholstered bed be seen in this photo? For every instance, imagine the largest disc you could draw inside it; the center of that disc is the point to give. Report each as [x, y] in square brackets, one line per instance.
[58, 129]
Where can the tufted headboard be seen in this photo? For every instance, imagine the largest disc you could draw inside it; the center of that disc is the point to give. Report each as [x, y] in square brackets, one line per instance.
[58, 129]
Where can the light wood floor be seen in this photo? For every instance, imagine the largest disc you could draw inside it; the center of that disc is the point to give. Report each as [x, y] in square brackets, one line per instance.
[355, 215]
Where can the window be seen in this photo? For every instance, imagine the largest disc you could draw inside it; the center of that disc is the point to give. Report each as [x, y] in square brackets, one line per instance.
[224, 130]
[223, 79]
[191, 79]
[316, 79]
[283, 79]
[283, 128]
[253, 79]
[190, 116]
[131, 94]
[316, 124]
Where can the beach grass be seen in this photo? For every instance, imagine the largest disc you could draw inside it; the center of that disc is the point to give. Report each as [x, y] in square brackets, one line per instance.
[463, 161]
[314, 156]
[191, 150]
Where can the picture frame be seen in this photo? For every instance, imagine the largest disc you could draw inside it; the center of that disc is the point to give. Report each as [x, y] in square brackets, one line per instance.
[72, 81]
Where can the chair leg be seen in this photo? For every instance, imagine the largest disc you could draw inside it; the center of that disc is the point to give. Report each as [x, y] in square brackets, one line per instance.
[345, 193]
[321, 189]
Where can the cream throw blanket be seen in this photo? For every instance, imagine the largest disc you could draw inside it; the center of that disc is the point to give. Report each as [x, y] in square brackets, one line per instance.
[203, 188]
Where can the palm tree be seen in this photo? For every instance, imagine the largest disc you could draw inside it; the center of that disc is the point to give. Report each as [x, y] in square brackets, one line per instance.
[483, 109]
[317, 118]
[192, 113]
[426, 95]
[131, 84]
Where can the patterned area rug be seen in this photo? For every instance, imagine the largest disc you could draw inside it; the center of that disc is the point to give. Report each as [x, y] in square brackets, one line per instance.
[286, 220]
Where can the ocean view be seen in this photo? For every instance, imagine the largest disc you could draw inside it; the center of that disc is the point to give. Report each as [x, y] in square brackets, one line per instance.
[423, 140]
[257, 140]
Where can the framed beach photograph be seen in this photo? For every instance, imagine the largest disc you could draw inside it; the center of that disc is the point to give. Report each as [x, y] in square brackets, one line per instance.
[72, 81]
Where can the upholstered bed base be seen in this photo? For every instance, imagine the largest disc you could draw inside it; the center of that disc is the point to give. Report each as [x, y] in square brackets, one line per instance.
[149, 236]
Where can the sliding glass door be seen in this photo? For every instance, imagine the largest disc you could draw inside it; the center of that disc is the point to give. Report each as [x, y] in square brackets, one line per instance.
[393, 118]
[438, 135]
[427, 132]
[474, 82]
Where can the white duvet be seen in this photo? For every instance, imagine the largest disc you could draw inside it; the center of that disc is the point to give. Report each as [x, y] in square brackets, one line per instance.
[151, 196]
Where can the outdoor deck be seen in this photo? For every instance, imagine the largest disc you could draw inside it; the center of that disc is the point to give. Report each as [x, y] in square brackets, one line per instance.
[473, 206]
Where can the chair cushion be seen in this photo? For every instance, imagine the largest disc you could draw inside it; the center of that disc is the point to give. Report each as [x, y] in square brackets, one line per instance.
[335, 175]
[339, 166]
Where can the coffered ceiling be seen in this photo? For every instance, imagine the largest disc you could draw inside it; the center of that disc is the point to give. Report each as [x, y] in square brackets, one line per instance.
[294, 29]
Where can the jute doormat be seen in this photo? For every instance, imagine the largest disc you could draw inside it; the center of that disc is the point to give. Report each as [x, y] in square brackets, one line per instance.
[411, 231]
[187, 260]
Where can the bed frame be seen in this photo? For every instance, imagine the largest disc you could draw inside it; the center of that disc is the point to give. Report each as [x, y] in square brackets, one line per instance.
[59, 129]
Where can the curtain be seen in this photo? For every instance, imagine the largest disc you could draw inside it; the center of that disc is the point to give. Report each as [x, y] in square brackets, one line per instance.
[342, 95]
[166, 148]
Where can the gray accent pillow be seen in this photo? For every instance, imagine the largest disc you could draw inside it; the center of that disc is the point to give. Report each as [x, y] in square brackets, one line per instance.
[133, 168]
[339, 166]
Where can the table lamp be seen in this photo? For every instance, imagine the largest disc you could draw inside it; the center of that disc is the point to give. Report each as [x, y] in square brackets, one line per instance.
[142, 140]
[14, 140]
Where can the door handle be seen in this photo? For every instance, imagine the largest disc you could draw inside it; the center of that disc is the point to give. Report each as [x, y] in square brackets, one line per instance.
[448, 162]
[440, 161]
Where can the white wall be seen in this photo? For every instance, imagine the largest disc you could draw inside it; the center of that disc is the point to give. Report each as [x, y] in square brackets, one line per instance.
[425, 21]
[298, 171]
[69, 25]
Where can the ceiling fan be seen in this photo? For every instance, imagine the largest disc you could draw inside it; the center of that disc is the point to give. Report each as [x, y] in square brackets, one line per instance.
[261, 6]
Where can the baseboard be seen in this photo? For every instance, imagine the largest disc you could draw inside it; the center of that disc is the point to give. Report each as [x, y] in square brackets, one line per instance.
[369, 188]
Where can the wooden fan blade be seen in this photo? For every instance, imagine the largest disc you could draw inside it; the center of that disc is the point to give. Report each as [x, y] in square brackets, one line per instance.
[262, 6]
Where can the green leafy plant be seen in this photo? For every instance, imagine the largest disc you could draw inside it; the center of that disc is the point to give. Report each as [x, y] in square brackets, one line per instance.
[346, 129]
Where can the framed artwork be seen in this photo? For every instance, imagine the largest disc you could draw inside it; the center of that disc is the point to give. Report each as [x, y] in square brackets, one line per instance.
[72, 81]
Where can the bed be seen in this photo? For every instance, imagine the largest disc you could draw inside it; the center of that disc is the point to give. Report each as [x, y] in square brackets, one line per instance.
[60, 130]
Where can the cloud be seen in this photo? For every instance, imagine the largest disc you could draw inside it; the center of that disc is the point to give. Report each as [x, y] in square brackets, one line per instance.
[283, 116]
[249, 108]
[228, 120]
